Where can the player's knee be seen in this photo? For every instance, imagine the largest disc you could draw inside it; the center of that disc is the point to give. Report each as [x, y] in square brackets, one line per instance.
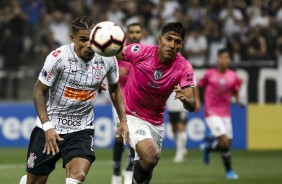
[224, 143]
[152, 159]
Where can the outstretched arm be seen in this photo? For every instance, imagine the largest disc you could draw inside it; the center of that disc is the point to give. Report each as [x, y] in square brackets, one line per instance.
[117, 99]
[187, 97]
[120, 56]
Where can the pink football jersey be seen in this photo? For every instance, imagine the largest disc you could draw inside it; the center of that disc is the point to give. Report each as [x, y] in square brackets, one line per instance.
[218, 90]
[150, 83]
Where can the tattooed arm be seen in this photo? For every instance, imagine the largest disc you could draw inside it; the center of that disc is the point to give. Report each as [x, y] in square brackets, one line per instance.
[51, 136]
[117, 99]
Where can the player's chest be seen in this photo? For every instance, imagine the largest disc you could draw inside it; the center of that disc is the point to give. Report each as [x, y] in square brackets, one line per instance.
[222, 82]
[85, 76]
[156, 78]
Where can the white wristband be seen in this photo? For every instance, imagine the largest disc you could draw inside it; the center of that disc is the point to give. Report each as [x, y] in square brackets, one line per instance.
[47, 125]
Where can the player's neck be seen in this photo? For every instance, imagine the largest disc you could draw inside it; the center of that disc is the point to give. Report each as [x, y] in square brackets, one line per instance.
[163, 60]
[222, 70]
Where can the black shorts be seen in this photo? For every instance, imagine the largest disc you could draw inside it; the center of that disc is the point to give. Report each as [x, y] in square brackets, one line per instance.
[176, 117]
[77, 144]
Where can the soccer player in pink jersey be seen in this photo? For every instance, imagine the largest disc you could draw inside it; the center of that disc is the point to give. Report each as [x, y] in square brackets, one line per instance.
[156, 72]
[133, 35]
[220, 84]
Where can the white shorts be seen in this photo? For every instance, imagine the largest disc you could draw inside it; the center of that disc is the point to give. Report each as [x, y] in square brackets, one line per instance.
[140, 130]
[220, 126]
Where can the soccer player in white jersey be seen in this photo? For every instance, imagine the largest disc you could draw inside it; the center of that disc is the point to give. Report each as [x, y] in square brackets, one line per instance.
[64, 126]
[178, 118]
[220, 84]
[133, 35]
[155, 73]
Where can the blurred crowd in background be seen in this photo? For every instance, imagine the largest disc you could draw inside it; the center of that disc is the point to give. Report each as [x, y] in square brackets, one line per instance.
[31, 29]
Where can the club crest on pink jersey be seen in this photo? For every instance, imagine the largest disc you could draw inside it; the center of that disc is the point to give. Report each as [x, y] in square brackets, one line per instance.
[30, 161]
[157, 74]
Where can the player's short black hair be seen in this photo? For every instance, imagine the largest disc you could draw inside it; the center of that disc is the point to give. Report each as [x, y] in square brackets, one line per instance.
[82, 23]
[176, 27]
[134, 24]
[221, 51]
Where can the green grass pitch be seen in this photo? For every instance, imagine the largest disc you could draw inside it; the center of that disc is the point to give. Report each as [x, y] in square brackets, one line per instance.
[253, 167]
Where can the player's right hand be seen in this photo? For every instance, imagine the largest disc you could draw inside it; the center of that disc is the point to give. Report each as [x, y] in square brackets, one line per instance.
[51, 138]
[122, 130]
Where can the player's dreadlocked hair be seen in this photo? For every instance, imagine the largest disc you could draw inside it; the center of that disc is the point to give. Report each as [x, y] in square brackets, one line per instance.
[82, 23]
[176, 27]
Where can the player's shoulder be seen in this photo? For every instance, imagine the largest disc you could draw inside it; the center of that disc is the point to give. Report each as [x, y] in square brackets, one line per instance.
[141, 48]
[61, 52]
[184, 63]
[181, 58]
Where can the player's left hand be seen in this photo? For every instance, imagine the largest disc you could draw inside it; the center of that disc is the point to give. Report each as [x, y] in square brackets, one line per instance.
[122, 130]
[102, 87]
[179, 93]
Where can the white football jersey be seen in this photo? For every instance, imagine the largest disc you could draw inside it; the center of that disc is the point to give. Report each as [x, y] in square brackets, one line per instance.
[73, 87]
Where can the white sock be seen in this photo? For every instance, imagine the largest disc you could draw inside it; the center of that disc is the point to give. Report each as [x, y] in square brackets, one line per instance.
[181, 140]
[72, 181]
[23, 179]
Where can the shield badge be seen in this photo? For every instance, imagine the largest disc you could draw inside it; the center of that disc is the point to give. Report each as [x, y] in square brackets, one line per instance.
[157, 74]
[98, 72]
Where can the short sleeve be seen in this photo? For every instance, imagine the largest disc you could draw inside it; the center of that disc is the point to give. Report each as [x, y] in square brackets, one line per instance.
[187, 76]
[51, 68]
[112, 74]
[132, 52]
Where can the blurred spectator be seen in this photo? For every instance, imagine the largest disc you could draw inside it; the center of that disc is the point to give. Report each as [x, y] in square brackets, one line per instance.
[60, 27]
[195, 48]
[254, 10]
[257, 49]
[195, 12]
[261, 20]
[213, 9]
[146, 8]
[229, 18]
[147, 37]
[238, 42]
[115, 13]
[33, 9]
[46, 44]
[97, 12]
[11, 50]
[57, 5]
[78, 8]
[169, 7]
[15, 18]
[216, 42]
